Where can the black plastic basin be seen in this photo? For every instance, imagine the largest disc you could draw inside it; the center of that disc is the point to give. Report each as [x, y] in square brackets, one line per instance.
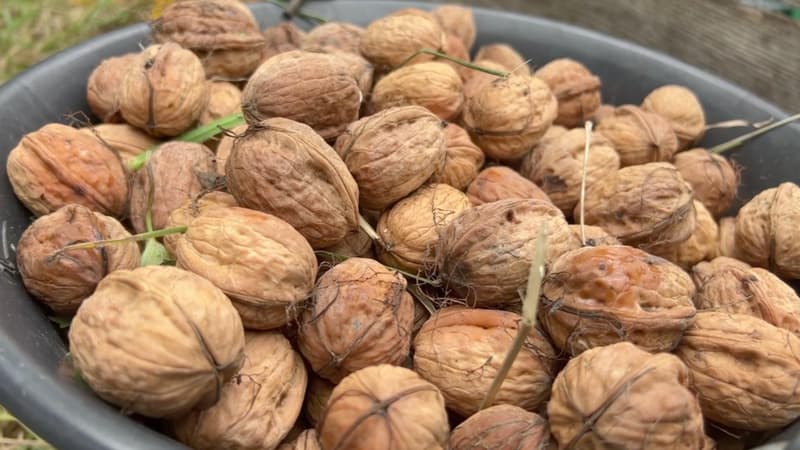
[70, 417]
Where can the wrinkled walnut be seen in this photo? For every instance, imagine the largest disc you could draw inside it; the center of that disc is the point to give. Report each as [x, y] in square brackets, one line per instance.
[463, 159]
[501, 183]
[281, 38]
[434, 85]
[192, 208]
[484, 254]
[384, 407]
[596, 296]
[225, 147]
[390, 41]
[103, 87]
[639, 136]
[458, 21]
[317, 395]
[307, 440]
[714, 179]
[332, 37]
[410, 229]
[505, 56]
[460, 350]
[726, 245]
[502, 427]
[360, 316]
[620, 396]
[576, 88]
[57, 165]
[743, 369]
[157, 341]
[701, 245]
[126, 140]
[681, 107]
[224, 99]
[62, 280]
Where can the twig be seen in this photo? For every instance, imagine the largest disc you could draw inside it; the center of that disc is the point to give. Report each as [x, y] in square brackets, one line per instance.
[135, 238]
[530, 308]
[588, 127]
[367, 228]
[467, 64]
[423, 299]
[735, 142]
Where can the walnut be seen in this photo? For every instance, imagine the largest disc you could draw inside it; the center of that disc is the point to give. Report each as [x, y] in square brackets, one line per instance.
[455, 48]
[103, 87]
[333, 37]
[224, 99]
[390, 41]
[705, 270]
[225, 147]
[765, 230]
[714, 178]
[317, 395]
[596, 296]
[501, 183]
[360, 316]
[595, 236]
[460, 350]
[281, 38]
[743, 369]
[509, 115]
[603, 112]
[177, 172]
[126, 140]
[463, 159]
[681, 107]
[556, 165]
[502, 427]
[56, 165]
[164, 91]
[192, 208]
[639, 136]
[606, 387]
[258, 406]
[307, 440]
[355, 244]
[484, 254]
[410, 228]
[223, 33]
[576, 88]
[316, 89]
[434, 85]
[646, 206]
[457, 21]
[384, 407]
[701, 245]
[505, 56]
[477, 80]
[726, 245]
[392, 153]
[157, 341]
[62, 280]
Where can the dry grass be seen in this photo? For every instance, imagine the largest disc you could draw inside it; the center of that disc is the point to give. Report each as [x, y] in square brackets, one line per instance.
[14, 436]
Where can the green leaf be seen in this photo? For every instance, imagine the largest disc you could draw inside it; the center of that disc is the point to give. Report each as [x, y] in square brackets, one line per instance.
[154, 254]
[61, 321]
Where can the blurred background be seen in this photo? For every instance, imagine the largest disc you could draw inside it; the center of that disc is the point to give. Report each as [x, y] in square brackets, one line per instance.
[753, 43]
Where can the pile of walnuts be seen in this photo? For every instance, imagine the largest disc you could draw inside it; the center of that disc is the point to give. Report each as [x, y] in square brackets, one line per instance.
[348, 265]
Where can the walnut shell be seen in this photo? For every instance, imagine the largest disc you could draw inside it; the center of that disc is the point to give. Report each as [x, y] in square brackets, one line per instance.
[355, 244]
[502, 427]
[645, 206]
[177, 172]
[307, 440]
[57, 165]
[596, 296]
[501, 183]
[484, 254]
[576, 88]
[384, 407]
[752, 291]
[229, 245]
[701, 245]
[705, 270]
[281, 38]
[157, 341]
[392, 153]
[620, 396]
[317, 395]
[360, 68]
[410, 228]
[316, 89]
[283, 168]
[509, 115]
[455, 48]
[743, 369]
[126, 140]
[434, 85]
[225, 147]
[360, 315]
[332, 37]
[460, 350]
[458, 21]
[638, 136]
[714, 179]
[224, 99]
[556, 165]
[766, 230]
[681, 107]
[478, 80]
[390, 41]
[463, 159]
[595, 236]
[726, 245]
[223, 33]
[164, 91]
[62, 280]
[104, 85]
[192, 208]
[603, 112]
[258, 407]
[505, 56]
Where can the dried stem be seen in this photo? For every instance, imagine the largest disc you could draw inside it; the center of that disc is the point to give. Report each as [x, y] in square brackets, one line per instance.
[530, 308]
[135, 238]
[735, 142]
[199, 135]
[461, 62]
[588, 128]
[367, 228]
[423, 299]
[293, 9]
